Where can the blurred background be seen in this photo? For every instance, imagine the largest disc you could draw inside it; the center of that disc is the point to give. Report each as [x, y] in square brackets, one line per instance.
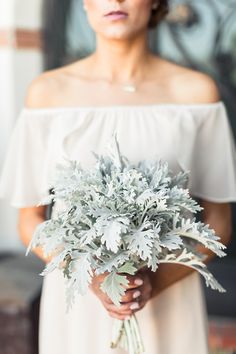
[38, 35]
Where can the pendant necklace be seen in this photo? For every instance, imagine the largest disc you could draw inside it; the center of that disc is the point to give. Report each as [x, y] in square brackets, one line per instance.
[130, 88]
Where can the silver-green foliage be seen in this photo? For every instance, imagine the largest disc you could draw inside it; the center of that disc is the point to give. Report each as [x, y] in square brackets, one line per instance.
[118, 217]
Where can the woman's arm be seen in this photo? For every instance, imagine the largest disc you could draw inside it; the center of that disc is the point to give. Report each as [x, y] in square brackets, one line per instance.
[219, 218]
[28, 220]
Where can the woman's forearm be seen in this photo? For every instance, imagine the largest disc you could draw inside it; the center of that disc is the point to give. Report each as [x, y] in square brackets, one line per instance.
[29, 219]
[168, 274]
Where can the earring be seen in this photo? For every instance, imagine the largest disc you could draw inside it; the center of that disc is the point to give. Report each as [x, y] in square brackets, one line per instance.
[84, 7]
[155, 5]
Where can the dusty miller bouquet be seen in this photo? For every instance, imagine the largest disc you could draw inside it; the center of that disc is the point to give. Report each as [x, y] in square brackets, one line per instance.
[118, 218]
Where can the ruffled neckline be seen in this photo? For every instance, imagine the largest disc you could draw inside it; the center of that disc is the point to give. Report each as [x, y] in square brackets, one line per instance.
[119, 107]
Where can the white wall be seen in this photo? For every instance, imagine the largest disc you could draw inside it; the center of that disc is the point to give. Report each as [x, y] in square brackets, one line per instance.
[7, 111]
[18, 67]
[7, 13]
[27, 13]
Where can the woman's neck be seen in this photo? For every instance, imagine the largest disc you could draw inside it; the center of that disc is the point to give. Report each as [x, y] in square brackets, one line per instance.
[122, 61]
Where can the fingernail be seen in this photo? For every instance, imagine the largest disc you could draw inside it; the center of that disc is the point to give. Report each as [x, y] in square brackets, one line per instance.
[127, 318]
[138, 282]
[136, 294]
[134, 306]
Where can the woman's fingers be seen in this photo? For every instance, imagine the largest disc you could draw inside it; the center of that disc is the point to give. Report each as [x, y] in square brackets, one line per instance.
[136, 295]
[119, 317]
[131, 295]
[141, 292]
[123, 312]
[134, 281]
[123, 308]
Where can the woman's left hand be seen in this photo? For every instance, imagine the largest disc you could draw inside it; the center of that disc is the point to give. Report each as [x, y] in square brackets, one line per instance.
[138, 295]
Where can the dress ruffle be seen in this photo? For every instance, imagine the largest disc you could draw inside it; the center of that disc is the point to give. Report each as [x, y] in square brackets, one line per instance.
[197, 138]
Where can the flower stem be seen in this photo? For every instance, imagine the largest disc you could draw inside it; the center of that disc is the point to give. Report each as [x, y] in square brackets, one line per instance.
[117, 331]
[138, 334]
[126, 334]
[131, 344]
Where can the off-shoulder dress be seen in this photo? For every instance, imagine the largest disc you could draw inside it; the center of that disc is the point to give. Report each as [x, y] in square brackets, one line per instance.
[193, 137]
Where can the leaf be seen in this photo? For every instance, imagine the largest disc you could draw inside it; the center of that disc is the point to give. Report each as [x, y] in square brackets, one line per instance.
[141, 241]
[180, 198]
[111, 262]
[114, 151]
[145, 196]
[160, 174]
[36, 240]
[86, 237]
[81, 274]
[211, 280]
[154, 260]
[202, 234]
[181, 179]
[190, 260]
[127, 268]
[171, 241]
[54, 263]
[113, 285]
[111, 230]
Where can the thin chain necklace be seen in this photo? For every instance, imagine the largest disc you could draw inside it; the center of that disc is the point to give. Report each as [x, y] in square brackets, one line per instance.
[129, 88]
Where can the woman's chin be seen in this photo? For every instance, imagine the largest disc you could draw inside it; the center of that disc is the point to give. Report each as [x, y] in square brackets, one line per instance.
[116, 33]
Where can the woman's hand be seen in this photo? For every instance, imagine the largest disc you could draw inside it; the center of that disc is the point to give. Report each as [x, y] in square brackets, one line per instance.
[137, 294]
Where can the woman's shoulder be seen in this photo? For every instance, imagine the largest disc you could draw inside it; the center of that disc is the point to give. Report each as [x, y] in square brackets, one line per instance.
[190, 86]
[46, 89]
[37, 94]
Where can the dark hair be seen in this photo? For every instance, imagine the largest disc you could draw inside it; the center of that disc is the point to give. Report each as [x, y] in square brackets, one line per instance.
[159, 13]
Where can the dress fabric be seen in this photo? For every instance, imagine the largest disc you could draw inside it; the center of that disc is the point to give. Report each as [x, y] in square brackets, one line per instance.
[197, 138]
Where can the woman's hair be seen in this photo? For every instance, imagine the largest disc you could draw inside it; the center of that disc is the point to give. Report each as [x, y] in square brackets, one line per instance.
[159, 13]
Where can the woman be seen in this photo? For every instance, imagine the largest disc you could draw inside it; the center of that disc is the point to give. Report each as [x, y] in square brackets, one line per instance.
[156, 107]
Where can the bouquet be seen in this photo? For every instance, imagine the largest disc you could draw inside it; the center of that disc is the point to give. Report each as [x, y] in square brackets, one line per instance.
[118, 218]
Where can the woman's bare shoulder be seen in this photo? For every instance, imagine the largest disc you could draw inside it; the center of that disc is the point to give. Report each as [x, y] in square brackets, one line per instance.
[40, 90]
[190, 86]
[197, 87]
[47, 88]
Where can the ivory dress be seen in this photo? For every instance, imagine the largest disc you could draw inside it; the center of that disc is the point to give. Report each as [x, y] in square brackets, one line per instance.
[197, 138]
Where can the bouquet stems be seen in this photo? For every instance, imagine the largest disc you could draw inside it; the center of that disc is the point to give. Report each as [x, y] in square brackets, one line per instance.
[126, 334]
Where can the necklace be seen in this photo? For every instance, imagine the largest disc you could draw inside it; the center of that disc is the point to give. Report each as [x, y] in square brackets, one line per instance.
[130, 88]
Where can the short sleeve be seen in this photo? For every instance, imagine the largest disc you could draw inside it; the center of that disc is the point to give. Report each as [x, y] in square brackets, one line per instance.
[213, 162]
[22, 180]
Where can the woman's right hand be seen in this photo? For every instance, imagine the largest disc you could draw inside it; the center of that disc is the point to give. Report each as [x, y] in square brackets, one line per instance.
[121, 312]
